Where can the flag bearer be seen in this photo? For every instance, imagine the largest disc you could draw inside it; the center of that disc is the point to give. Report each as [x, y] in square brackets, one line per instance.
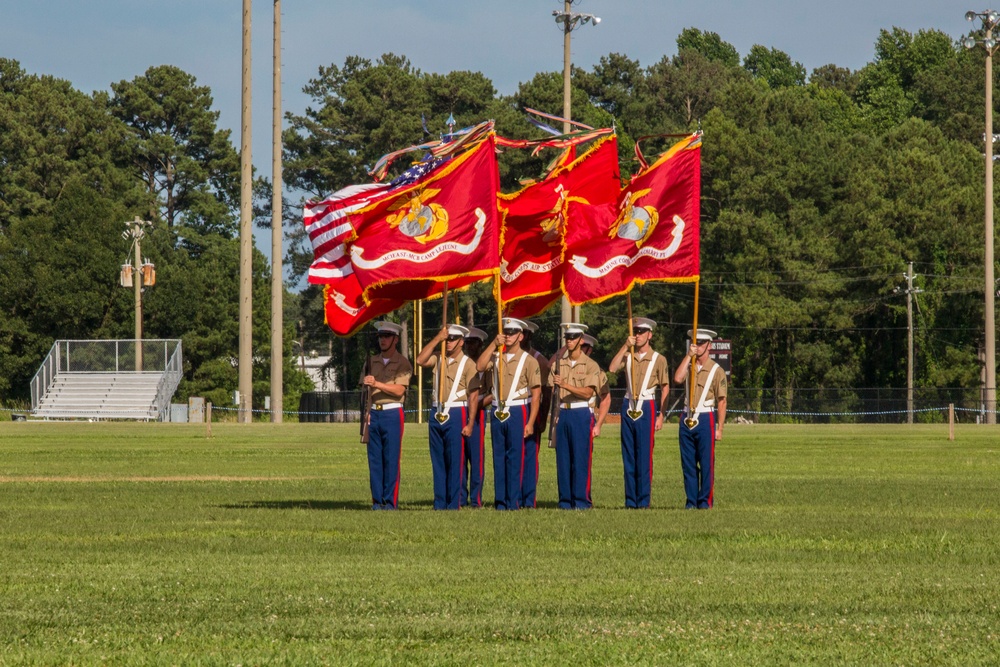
[529, 484]
[451, 420]
[604, 393]
[640, 416]
[702, 425]
[474, 456]
[389, 375]
[576, 379]
[516, 398]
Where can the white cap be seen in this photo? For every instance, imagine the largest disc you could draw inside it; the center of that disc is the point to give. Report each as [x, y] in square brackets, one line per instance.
[574, 327]
[477, 333]
[704, 335]
[389, 327]
[589, 340]
[530, 326]
[514, 323]
[457, 330]
[643, 323]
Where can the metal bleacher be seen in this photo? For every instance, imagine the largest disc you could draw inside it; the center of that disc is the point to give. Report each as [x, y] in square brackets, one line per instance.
[107, 379]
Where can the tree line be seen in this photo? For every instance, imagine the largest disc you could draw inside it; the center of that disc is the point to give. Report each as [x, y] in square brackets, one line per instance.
[818, 190]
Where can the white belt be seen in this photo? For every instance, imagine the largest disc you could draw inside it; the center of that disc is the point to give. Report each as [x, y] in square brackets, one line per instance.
[641, 400]
[453, 404]
[703, 411]
[386, 406]
[518, 401]
[575, 405]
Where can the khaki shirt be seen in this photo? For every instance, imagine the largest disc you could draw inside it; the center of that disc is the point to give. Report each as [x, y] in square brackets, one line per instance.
[464, 382]
[531, 375]
[605, 387]
[397, 370]
[481, 382]
[715, 393]
[660, 377]
[584, 372]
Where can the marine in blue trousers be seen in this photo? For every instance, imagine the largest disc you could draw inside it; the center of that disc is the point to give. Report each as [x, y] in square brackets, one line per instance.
[645, 372]
[451, 417]
[388, 376]
[474, 451]
[517, 390]
[701, 424]
[576, 380]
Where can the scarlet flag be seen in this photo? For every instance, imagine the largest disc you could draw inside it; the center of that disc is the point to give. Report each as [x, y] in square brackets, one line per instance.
[441, 227]
[653, 233]
[328, 227]
[345, 311]
[533, 224]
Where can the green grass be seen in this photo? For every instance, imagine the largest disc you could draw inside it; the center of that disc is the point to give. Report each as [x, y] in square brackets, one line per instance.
[149, 544]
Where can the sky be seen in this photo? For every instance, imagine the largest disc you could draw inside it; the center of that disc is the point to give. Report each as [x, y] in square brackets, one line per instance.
[93, 43]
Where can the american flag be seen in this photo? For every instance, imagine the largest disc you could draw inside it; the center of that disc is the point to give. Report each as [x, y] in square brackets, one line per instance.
[328, 223]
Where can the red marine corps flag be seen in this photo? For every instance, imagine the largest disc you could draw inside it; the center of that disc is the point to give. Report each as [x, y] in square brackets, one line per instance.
[652, 234]
[327, 224]
[440, 227]
[533, 224]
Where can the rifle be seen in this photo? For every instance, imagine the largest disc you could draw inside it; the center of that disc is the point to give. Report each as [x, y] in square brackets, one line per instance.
[366, 400]
[554, 407]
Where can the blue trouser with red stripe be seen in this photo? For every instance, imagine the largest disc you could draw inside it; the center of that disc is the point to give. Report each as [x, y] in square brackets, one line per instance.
[637, 453]
[473, 464]
[385, 436]
[446, 444]
[529, 480]
[508, 456]
[574, 455]
[698, 461]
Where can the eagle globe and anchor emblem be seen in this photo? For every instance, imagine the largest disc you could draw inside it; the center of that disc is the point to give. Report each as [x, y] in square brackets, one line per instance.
[420, 219]
[635, 223]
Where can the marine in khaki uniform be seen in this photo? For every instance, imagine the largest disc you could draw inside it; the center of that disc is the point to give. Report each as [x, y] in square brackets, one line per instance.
[529, 483]
[702, 423]
[576, 379]
[474, 454]
[388, 377]
[452, 413]
[517, 393]
[647, 369]
[604, 393]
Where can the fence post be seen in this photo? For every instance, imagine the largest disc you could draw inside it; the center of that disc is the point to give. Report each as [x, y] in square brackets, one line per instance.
[951, 421]
[208, 420]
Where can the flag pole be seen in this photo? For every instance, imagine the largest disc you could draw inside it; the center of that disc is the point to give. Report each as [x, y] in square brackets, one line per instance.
[692, 418]
[442, 411]
[635, 409]
[498, 388]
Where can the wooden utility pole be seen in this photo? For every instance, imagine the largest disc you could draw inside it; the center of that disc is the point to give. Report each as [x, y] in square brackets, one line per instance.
[277, 271]
[246, 234]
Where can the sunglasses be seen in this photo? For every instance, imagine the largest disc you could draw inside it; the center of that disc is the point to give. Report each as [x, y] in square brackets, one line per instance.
[452, 339]
[639, 332]
[511, 332]
[385, 334]
[573, 336]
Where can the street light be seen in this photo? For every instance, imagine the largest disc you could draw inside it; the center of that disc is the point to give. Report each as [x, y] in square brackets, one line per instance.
[569, 21]
[989, 20]
[144, 275]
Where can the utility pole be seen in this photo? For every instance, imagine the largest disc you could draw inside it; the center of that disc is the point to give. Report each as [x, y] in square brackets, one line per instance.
[277, 271]
[989, 20]
[246, 233]
[569, 21]
[909, 344]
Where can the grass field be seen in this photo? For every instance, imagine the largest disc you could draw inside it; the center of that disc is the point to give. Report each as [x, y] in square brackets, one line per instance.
[150, 544]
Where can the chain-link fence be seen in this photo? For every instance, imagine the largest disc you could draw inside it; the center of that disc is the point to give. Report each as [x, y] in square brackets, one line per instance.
[114, 356]
[872, 405]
